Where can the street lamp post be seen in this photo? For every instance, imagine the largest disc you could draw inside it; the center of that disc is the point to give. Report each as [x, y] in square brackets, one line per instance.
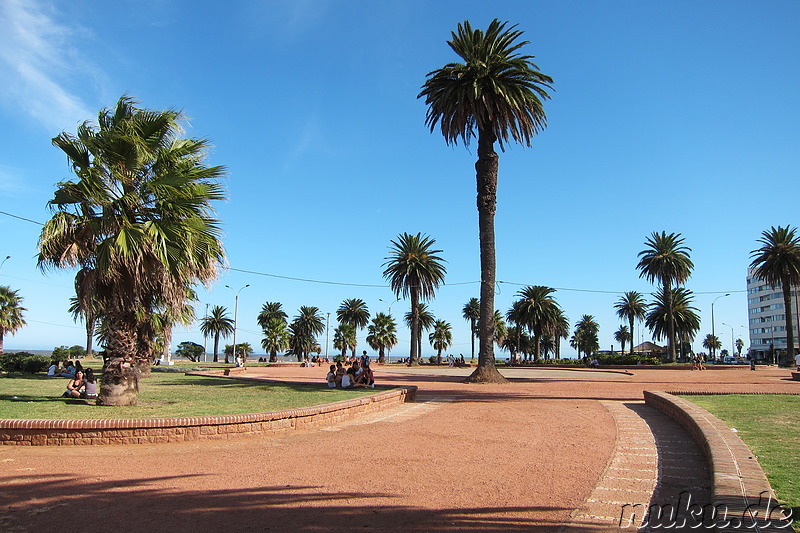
[236, 317]
[733, 349]
[713, 331]
[4, 261]
[327, 334]
[390, 304]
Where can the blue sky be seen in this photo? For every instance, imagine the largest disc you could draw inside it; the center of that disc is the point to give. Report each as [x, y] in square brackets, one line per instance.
[679, 116]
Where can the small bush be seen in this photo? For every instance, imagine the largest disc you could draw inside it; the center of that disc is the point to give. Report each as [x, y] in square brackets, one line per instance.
[627, 359]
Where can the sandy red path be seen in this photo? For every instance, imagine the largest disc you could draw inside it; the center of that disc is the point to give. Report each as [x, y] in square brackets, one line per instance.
[517, 457]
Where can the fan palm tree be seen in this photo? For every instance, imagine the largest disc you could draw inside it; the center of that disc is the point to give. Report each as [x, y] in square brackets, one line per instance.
[622, 335]
[631, 306]
[276, 336]
[11, 313]
[777, 262]
[685, 318]
[414, 269]
[537, 310]
[739, 346]
[495, 93]
[382, 335]
[472, 313]
[344, 338]
[353, 311]
[140, 215]
[217, 324]
[441, 338]
[666, 260]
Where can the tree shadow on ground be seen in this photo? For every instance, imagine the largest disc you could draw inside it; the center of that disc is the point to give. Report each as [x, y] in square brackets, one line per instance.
[44, 503]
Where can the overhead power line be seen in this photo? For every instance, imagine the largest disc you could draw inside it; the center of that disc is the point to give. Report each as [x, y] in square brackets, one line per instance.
[374, 286]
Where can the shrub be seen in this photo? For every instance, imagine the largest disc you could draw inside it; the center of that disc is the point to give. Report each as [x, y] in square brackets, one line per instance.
[627, 359]
[23, 362]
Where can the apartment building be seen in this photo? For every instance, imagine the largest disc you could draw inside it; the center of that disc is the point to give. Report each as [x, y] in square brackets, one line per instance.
[767, 319]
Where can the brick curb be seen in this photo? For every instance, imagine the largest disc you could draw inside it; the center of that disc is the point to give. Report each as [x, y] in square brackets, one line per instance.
[743, 497]
[44, 432]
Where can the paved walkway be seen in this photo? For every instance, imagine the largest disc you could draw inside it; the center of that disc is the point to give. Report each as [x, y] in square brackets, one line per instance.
[548, 451]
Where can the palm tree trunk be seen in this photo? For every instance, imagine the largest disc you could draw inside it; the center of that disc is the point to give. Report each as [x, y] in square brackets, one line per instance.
[472, 337]
[670, 324]
[415, 335]
[787, 307]
[486, 177]
[632, 335]
[216, 347]
[1, 341]
[120, 382]
[89, 335]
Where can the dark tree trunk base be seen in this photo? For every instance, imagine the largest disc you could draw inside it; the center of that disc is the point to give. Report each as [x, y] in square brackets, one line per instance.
[119, 385]
[484, 374]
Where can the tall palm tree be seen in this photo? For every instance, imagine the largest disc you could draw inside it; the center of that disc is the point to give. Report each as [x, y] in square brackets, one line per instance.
[472, 313]
[631, 306]
[712, 344]
[667, 261]
[500, 328]
[683, 319]
[272, 319]
[11, 313]
[354, 312]
[140, 215]
[269, 311]
[382, 335]
[777, 262]
[304, 329]
[441, 338]
[537, 310]
[344, 337]
[276, 337]
[414, 269]
[621, 336]
[559, 328]
[498, 92]
[585, 336]
[217, 324]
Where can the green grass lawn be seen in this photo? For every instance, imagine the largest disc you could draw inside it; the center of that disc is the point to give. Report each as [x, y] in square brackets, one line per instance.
[164, 395]
[770, 426]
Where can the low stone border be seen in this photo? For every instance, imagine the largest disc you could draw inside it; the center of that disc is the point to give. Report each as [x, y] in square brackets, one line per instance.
[39, 432]
[743, 497]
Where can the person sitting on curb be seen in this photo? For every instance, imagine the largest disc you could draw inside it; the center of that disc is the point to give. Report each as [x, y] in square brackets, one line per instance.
[89, 391]
[74, 386]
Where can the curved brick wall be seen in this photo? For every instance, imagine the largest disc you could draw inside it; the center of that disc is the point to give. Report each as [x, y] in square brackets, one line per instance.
[740, 487]
[153, 430]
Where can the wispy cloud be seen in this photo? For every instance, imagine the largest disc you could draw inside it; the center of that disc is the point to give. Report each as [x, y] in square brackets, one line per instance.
[37, 64]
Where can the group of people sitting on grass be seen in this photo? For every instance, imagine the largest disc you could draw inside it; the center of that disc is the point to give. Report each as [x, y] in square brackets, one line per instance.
[351, 374]
[67, 371]
[82, 385]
